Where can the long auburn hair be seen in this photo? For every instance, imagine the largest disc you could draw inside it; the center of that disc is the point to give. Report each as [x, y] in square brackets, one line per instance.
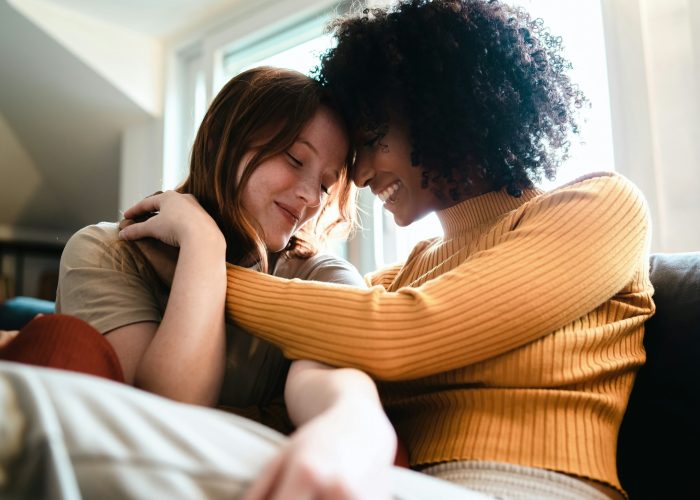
[261, 110]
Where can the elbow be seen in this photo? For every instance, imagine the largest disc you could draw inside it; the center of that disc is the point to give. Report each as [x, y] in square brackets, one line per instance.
[388, 368]
[177, 390]
[179, 395]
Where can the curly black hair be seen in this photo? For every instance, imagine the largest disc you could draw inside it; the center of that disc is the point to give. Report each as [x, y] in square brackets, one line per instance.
[479, 83]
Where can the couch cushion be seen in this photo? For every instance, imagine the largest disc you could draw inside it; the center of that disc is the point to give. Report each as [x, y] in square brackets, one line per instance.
[661, 428]
[18, 311]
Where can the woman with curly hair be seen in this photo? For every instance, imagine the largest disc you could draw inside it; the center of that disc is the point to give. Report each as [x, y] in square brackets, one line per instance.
[505, 350]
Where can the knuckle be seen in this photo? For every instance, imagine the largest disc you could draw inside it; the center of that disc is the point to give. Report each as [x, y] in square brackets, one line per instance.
[339, 488]
[308, 473]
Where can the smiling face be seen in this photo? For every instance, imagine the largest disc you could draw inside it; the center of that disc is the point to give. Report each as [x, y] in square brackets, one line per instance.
[384, 165]
[288, 189]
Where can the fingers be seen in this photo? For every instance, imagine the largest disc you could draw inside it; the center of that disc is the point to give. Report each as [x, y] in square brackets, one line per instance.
[135, 231]
[298, 483]
[125, 223]
[305, 478]
[6, 336]
[337, 491]
[263, 486]
[144, 207]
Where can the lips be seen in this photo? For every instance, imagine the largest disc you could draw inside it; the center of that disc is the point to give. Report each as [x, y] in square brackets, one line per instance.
[387, 193]
[290, 213]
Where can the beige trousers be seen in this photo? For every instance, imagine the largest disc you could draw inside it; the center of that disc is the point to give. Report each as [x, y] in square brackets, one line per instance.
[68, 436]
[514, 482]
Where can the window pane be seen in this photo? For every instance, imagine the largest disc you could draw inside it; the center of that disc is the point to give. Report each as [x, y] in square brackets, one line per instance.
[580, 24]
[297, 47]
[303, 57]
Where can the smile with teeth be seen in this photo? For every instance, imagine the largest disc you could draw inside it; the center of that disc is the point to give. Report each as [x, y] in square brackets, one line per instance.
[389, 194]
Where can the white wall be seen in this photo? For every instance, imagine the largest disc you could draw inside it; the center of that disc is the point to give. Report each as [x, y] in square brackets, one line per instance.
[132, 62]
[20, 176]
[140, 172]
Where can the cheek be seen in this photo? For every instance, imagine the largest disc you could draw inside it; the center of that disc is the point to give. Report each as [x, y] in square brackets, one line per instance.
[246, 197]
[252, 199]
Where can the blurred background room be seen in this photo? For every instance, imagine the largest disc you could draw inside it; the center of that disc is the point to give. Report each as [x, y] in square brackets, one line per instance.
[100, 100]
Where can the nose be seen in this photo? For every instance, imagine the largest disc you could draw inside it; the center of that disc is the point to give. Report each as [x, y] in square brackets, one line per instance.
[309, 190]
[364, 171]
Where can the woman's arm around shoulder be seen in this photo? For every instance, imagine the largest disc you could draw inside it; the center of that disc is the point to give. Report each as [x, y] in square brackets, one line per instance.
[558, 257]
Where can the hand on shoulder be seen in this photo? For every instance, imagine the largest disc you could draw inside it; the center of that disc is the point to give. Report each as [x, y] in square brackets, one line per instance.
[174, 218]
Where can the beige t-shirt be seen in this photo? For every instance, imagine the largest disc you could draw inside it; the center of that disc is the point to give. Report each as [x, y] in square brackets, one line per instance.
[102, 283]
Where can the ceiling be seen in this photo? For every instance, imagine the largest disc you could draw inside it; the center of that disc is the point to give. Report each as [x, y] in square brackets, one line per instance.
[157, 18]
[68, 119]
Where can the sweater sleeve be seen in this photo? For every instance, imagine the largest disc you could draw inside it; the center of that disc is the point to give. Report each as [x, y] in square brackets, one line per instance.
[568, 253]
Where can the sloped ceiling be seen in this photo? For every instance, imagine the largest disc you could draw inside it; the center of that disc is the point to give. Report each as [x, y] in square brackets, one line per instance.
[158, 18]
[69, 121]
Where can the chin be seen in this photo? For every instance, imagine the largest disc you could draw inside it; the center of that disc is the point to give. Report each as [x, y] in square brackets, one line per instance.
[402, 222]
[277, 245]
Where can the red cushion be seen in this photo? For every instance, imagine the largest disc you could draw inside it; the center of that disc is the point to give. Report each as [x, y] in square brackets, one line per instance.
[67, 343]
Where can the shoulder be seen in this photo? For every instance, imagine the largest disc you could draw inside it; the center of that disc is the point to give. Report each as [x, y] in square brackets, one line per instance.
[595, 194]
[602, 184]
[103, 232]
[600, 212]
[89, 242]
[320, 267]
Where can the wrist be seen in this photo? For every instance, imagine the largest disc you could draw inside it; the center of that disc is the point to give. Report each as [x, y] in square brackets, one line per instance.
[204, 238]
[364, 416]
[363, 411]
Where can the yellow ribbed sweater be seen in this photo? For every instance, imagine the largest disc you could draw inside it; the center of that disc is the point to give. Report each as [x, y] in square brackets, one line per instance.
[514, 338]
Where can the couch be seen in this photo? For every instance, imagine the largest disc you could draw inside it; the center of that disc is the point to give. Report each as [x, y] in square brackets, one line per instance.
[659, 437]
[18, 311]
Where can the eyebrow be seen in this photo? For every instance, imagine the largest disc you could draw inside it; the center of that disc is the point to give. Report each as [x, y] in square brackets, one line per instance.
[311, 146]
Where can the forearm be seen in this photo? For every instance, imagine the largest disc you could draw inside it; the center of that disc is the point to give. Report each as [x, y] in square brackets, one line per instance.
[344, 446]
[554, 262]
[313, 389]
[185, 360]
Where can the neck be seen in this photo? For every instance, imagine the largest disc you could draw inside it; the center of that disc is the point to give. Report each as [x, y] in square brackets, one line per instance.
[477, 186]
[251, 260]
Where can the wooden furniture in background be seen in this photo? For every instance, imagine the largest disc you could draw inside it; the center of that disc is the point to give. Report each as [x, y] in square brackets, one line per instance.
[16, 265]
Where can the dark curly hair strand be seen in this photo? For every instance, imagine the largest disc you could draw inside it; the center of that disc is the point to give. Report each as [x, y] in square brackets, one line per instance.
[479, 83]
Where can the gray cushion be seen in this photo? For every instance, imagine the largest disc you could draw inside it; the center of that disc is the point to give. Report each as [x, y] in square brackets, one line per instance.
[660, 428]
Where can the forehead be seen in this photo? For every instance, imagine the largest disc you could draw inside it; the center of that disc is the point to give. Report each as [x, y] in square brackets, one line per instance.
[325, 135]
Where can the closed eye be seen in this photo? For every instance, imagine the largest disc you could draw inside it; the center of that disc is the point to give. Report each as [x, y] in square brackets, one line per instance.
[294, 160]
[372, 141]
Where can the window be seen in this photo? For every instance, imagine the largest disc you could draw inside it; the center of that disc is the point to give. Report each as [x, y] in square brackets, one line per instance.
[298, 48]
